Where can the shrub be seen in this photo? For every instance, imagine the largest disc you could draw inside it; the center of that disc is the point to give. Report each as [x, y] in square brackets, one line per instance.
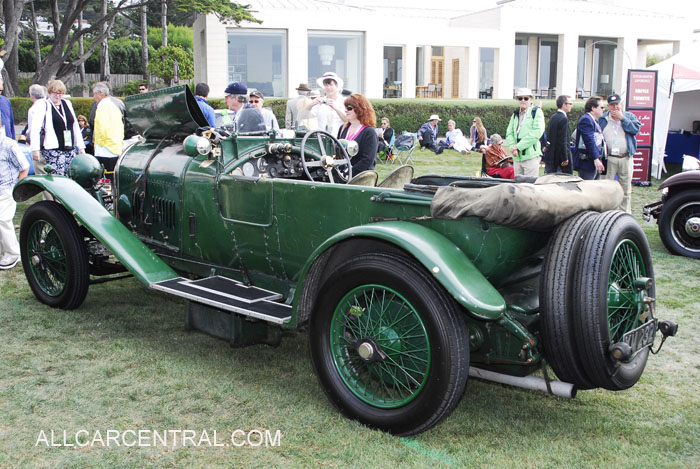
[177, 36]
[163, 60]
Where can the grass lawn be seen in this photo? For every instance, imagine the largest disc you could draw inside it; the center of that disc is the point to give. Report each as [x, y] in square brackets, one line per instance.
[122, 361]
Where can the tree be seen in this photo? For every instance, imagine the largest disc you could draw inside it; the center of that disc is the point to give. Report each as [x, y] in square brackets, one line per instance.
[12, 12]
[59, 63]
[163, 63]
[144, 43]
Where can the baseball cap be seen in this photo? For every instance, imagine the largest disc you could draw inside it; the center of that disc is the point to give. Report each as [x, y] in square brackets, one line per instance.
[236, 88]
[614, 98]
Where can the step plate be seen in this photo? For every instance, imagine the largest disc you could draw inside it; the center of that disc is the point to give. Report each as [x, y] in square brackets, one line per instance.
[270, 311]
[233, 289]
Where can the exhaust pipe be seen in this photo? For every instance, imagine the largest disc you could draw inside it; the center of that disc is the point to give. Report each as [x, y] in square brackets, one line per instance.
[535, 383]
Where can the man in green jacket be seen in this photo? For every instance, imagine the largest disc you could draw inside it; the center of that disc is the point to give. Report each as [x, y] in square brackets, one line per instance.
[525, 128]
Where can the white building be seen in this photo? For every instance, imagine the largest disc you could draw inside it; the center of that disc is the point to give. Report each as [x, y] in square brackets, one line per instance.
[574, 47]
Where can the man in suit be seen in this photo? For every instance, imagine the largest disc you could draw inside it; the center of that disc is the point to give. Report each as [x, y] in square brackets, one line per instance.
[290, 117]
[557, 158]
[589, 148]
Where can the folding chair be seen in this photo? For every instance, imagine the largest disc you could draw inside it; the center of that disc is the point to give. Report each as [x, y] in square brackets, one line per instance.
[404, 147]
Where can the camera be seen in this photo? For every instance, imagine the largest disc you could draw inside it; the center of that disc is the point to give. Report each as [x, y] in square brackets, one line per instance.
[324, 100]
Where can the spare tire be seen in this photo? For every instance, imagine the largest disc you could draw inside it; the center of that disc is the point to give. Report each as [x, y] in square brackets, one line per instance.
[608, 301]
[556, 299]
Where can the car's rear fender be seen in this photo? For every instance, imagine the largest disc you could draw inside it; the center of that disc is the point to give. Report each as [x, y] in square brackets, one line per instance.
[448, 264]
[131, 252]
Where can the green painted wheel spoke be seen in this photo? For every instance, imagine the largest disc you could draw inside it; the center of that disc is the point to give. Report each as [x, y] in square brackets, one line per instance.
[384, 316]
[396, 379]
[403, 371]
[624, 301]
[44, 244]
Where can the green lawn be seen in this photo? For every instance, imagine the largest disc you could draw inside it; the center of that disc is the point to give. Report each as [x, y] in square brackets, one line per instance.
[122, 361]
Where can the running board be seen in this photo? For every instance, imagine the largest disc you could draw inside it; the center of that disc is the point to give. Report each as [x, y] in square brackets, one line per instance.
[229, 295]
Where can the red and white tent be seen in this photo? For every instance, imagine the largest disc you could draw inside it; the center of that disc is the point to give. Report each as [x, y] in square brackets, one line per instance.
[677, 100]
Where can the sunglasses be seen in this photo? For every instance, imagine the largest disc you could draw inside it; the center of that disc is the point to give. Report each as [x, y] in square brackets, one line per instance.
[523, 98]
[254, 101]
[349, 108]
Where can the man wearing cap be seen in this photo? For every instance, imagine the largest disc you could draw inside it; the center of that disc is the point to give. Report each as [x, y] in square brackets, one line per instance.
[256, 100]
[619, 131]
[290, 117]
[236, 99]
[525, 128]
[331, 112]
[427, 134]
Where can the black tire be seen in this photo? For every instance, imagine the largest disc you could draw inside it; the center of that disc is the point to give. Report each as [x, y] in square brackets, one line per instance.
[614, 254]
[557, 322]
[402, 398]
[673, 221]
[53, 255]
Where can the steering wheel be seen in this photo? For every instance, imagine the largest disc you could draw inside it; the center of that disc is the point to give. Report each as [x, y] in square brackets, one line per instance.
[327, 162]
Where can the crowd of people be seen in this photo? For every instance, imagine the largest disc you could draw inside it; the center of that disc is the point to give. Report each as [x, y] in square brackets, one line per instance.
[602, 145]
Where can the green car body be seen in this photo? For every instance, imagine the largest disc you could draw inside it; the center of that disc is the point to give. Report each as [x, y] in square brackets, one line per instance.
[243, 209]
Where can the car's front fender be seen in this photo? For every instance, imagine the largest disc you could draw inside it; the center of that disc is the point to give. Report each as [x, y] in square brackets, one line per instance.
[131, 252]
[448, 264]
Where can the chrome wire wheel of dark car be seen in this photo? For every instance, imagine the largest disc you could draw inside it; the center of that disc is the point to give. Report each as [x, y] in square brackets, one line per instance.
[679, 224]
[388, 344]
[614, 281]
[53, 255]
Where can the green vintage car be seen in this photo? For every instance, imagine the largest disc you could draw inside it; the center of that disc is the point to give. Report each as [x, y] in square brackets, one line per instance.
[406, 286]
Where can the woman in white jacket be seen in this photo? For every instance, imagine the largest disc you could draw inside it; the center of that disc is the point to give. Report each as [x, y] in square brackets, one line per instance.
[62, 135]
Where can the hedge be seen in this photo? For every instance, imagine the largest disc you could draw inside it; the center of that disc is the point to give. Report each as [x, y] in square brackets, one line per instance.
[404, 114]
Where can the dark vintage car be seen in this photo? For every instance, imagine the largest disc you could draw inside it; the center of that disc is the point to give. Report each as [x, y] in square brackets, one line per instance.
[407, 287]
[678, 213]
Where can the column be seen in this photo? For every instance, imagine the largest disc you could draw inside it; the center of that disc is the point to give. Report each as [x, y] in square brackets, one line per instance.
[374, 66]
[567, 64]
[626, 50]
[472, 72]
[504, 69]
[298, 59]
[408, 77]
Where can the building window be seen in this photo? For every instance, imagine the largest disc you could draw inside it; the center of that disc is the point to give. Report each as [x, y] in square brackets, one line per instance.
[393, 71]
[604, 59]
[520, 74]
[420, 65]
[341, 53]
[258, 58]
[547, 77]
[486, 64]
[581, 70]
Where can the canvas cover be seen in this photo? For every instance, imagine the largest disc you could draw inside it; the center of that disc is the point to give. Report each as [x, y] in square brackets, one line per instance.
[538, 206]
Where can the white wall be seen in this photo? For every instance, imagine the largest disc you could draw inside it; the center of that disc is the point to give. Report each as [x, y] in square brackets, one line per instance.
[494, 29]
[685, 110]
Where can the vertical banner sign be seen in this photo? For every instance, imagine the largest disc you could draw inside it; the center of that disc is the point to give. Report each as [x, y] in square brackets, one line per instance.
[641, 101]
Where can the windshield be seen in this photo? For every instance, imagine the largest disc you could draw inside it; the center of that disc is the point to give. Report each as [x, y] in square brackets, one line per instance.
[247, 121]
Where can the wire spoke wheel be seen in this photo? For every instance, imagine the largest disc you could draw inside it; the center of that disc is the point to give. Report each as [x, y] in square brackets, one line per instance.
[611, 283]
[679, 223]
[380, 346]
[47, 258]
[388, 344]
[54, 257]
[625, 300]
